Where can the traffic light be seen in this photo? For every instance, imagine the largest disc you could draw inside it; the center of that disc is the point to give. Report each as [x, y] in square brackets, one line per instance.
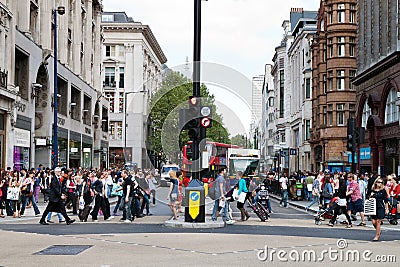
[193, 117]
[351, 132]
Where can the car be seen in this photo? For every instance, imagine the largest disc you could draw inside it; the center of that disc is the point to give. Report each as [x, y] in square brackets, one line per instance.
[164, 181]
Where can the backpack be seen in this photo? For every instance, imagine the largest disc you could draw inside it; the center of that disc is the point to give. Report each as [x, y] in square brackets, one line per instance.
[211, 190]
[325, 192]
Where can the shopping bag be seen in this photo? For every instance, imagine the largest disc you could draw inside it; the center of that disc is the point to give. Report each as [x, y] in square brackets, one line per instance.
[370, 207]
[242, 197]
[81, 203]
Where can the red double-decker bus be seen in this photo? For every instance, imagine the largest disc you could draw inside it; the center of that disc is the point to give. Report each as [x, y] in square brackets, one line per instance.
[216, 153]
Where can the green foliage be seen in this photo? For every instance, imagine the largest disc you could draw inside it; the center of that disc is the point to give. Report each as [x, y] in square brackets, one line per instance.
[241, 140]
[165, 104]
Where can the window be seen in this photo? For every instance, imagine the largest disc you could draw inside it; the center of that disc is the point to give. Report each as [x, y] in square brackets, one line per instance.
[121, 77]
[283, 138]
[308, 88]
[340, 107]
[121, 102]
[365, 114]
[340, 118]
[330, 17]
[308, 128]
[110, 96]
[353, 11]
[324, 115]
[270, 133]
[352, 46]
[330, 47]
[341, 46]
[340, 80]
[281, 93]
[115, 130]
[391, 111]
[107, 18]
[330, 114]
[271, 102]
[121, 51]
[330, 80]
[352, 74]
[341, 13]
[110, 51]
[109, 77]
[324, 83]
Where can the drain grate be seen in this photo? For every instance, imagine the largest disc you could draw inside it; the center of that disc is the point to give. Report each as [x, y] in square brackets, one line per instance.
[63, 250]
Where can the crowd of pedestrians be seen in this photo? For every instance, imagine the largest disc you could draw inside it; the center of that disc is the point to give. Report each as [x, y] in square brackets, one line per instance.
[74, 189]
[350, 191]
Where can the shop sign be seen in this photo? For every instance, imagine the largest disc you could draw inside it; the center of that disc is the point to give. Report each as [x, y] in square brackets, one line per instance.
[86, 149]
[74, 150]
[22, 137]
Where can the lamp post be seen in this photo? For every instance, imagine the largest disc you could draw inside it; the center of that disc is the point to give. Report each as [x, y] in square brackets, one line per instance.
[61, 11]
[125, 124]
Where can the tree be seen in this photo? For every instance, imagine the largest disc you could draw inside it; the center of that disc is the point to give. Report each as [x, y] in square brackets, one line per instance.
[165, 104]
[241, 140]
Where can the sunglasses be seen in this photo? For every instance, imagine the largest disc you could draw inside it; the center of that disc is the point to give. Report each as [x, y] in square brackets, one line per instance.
[379, 182]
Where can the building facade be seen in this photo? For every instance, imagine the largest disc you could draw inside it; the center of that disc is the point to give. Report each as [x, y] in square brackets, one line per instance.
[27, 38]
[303, 28]
[281, 136]
[378, 85]
[267, 124]
[334, 65]
[132, 72]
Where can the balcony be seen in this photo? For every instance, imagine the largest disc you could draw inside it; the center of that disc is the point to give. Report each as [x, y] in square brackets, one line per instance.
[4, 91]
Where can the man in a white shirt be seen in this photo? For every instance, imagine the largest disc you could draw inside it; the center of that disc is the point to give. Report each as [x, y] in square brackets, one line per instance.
[283, 182]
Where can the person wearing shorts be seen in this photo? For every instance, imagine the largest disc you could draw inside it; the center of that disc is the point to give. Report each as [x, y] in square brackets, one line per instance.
[356, 204]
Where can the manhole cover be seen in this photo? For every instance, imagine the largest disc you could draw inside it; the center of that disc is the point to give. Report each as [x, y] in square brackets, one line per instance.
[63, 250]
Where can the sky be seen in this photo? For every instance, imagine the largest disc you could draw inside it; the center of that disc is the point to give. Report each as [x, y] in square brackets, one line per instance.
[238, 34]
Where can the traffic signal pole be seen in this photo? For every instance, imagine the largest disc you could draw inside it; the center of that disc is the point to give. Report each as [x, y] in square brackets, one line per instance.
[196, 84]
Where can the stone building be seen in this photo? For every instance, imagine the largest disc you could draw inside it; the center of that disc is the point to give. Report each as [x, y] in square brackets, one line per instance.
[334, 96]
[27, 45]
[378, 85]
[303, 28]
[132, 72]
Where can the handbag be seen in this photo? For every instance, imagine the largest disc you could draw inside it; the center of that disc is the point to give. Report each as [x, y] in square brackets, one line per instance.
[13, 193]
[370, 207]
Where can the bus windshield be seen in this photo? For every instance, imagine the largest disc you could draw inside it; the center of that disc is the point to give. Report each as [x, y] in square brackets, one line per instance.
[247, 166]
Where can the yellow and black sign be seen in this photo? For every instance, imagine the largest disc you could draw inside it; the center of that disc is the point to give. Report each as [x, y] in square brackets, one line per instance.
[194, 204]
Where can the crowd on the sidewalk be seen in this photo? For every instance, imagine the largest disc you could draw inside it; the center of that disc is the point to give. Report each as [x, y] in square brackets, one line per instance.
[346, 192]
[76, 189]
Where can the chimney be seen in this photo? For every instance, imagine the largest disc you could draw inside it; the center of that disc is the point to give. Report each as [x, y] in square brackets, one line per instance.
[296, 10]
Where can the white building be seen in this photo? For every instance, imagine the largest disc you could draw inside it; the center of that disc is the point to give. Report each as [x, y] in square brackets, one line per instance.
[266, 139]
[132, 66]
[282, 99]
[27, 38]
[304, 26]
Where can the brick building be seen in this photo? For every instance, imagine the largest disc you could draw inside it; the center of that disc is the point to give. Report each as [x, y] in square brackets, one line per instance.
[378, 85]
[334, 97]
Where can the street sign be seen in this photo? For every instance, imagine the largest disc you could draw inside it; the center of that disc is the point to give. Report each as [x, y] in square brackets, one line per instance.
[194, 204]
[292, 151]
[205, 122]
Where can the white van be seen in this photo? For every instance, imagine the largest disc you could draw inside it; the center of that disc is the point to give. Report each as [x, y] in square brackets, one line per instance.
[164, 173]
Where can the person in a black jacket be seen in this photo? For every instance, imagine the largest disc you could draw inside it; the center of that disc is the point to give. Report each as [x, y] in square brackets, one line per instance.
[341, 194]
[56, 199]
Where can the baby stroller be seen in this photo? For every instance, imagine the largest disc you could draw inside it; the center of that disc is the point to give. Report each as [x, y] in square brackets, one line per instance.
[392, 216]
[328, 212]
